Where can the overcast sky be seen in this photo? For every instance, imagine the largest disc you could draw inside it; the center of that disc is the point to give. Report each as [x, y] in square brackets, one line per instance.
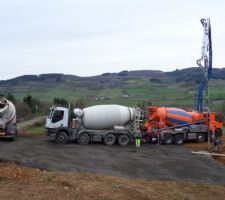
[90, 37]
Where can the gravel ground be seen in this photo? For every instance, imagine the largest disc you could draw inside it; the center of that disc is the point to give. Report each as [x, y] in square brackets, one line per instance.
[149, 161]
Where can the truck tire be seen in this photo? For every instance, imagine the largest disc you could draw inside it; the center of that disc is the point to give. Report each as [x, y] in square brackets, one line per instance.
[61, 137]
[178, 139]
[200, 137]
[123, 140]
[13, 138]
[83, 139]
[110, 139]
[167, 139]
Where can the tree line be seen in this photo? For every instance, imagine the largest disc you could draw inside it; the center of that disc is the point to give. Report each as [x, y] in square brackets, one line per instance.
[33, 105]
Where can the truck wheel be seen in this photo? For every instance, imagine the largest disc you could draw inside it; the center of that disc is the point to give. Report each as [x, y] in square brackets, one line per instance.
[200, 137]
[83, 139]
[167, 139]
[178, 139]
[110, 139]
[123, 140]
[61, 138]
[13, 137]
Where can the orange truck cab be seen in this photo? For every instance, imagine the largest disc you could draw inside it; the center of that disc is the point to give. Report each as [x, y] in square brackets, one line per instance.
[216, 120]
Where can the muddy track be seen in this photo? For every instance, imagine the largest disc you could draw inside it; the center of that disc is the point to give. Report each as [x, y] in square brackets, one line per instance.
[150, 161]
[23, 125]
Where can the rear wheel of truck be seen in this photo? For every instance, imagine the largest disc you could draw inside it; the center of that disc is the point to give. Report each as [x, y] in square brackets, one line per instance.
[110, 139]
[200, 137]
[167, 139]
[83, 139]
[178, 139]
[13, 137]
[61, 137]
[123, 140]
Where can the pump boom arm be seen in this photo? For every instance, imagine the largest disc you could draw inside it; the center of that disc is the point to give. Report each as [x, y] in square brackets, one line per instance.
[205, 63]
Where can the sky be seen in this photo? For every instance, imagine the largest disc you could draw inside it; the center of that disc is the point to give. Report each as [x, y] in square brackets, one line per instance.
[91, 37]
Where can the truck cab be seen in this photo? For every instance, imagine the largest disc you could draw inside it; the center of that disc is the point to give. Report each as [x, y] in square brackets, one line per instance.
[216, 120]
[58, 117]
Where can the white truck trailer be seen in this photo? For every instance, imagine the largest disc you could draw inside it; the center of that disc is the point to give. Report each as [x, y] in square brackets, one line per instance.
[107, 123]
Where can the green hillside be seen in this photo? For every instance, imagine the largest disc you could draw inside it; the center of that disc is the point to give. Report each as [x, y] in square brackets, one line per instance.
[126, 88]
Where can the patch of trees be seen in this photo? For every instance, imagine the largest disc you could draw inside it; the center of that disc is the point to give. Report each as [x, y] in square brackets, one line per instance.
[11, 98]
[106, 74]
[57, 77]
[155, 80]
[33, 103]
[60, 102]
[26, 78]
[144, 104]
[123, 73]
[78, 103]
[218, 73]
[195, 74]
[28, 106]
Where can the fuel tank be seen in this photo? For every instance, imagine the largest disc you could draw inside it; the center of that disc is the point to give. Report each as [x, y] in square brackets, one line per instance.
[105, 116]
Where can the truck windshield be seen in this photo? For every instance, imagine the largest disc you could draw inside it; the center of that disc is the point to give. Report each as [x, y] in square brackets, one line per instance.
[50, 112]
[219, 118]
[57, 116]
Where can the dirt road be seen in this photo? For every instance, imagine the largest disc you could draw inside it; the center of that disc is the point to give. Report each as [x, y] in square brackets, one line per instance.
[150, 161]
[23, 125]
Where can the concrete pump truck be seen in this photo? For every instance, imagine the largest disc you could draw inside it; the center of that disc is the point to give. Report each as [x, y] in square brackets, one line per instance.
[174, 125]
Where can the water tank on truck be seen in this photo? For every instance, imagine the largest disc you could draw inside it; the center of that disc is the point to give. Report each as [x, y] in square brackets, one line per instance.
[7, 119]
[105, 116]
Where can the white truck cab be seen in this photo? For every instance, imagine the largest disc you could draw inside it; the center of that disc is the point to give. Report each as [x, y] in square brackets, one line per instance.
[57, 117]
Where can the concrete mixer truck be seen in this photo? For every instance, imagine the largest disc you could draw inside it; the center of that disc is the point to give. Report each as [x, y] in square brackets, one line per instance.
[7, 119]
[107, 123]
[174, 125]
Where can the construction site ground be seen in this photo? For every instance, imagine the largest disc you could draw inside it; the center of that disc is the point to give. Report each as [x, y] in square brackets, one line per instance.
[38, 168]
[26, 183]
[204, 147]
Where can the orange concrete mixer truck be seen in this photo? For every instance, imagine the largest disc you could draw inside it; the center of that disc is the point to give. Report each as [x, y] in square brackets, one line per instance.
[174, 125]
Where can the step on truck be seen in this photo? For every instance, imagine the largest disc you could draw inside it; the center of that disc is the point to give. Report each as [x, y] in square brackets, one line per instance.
[100, 123]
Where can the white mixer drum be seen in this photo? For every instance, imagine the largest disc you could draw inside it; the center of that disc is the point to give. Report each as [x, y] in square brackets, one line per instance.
[107, 116]
[7, 114]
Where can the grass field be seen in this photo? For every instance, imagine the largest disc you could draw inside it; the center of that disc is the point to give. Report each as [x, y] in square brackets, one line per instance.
[40, 130]
[138, 91]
